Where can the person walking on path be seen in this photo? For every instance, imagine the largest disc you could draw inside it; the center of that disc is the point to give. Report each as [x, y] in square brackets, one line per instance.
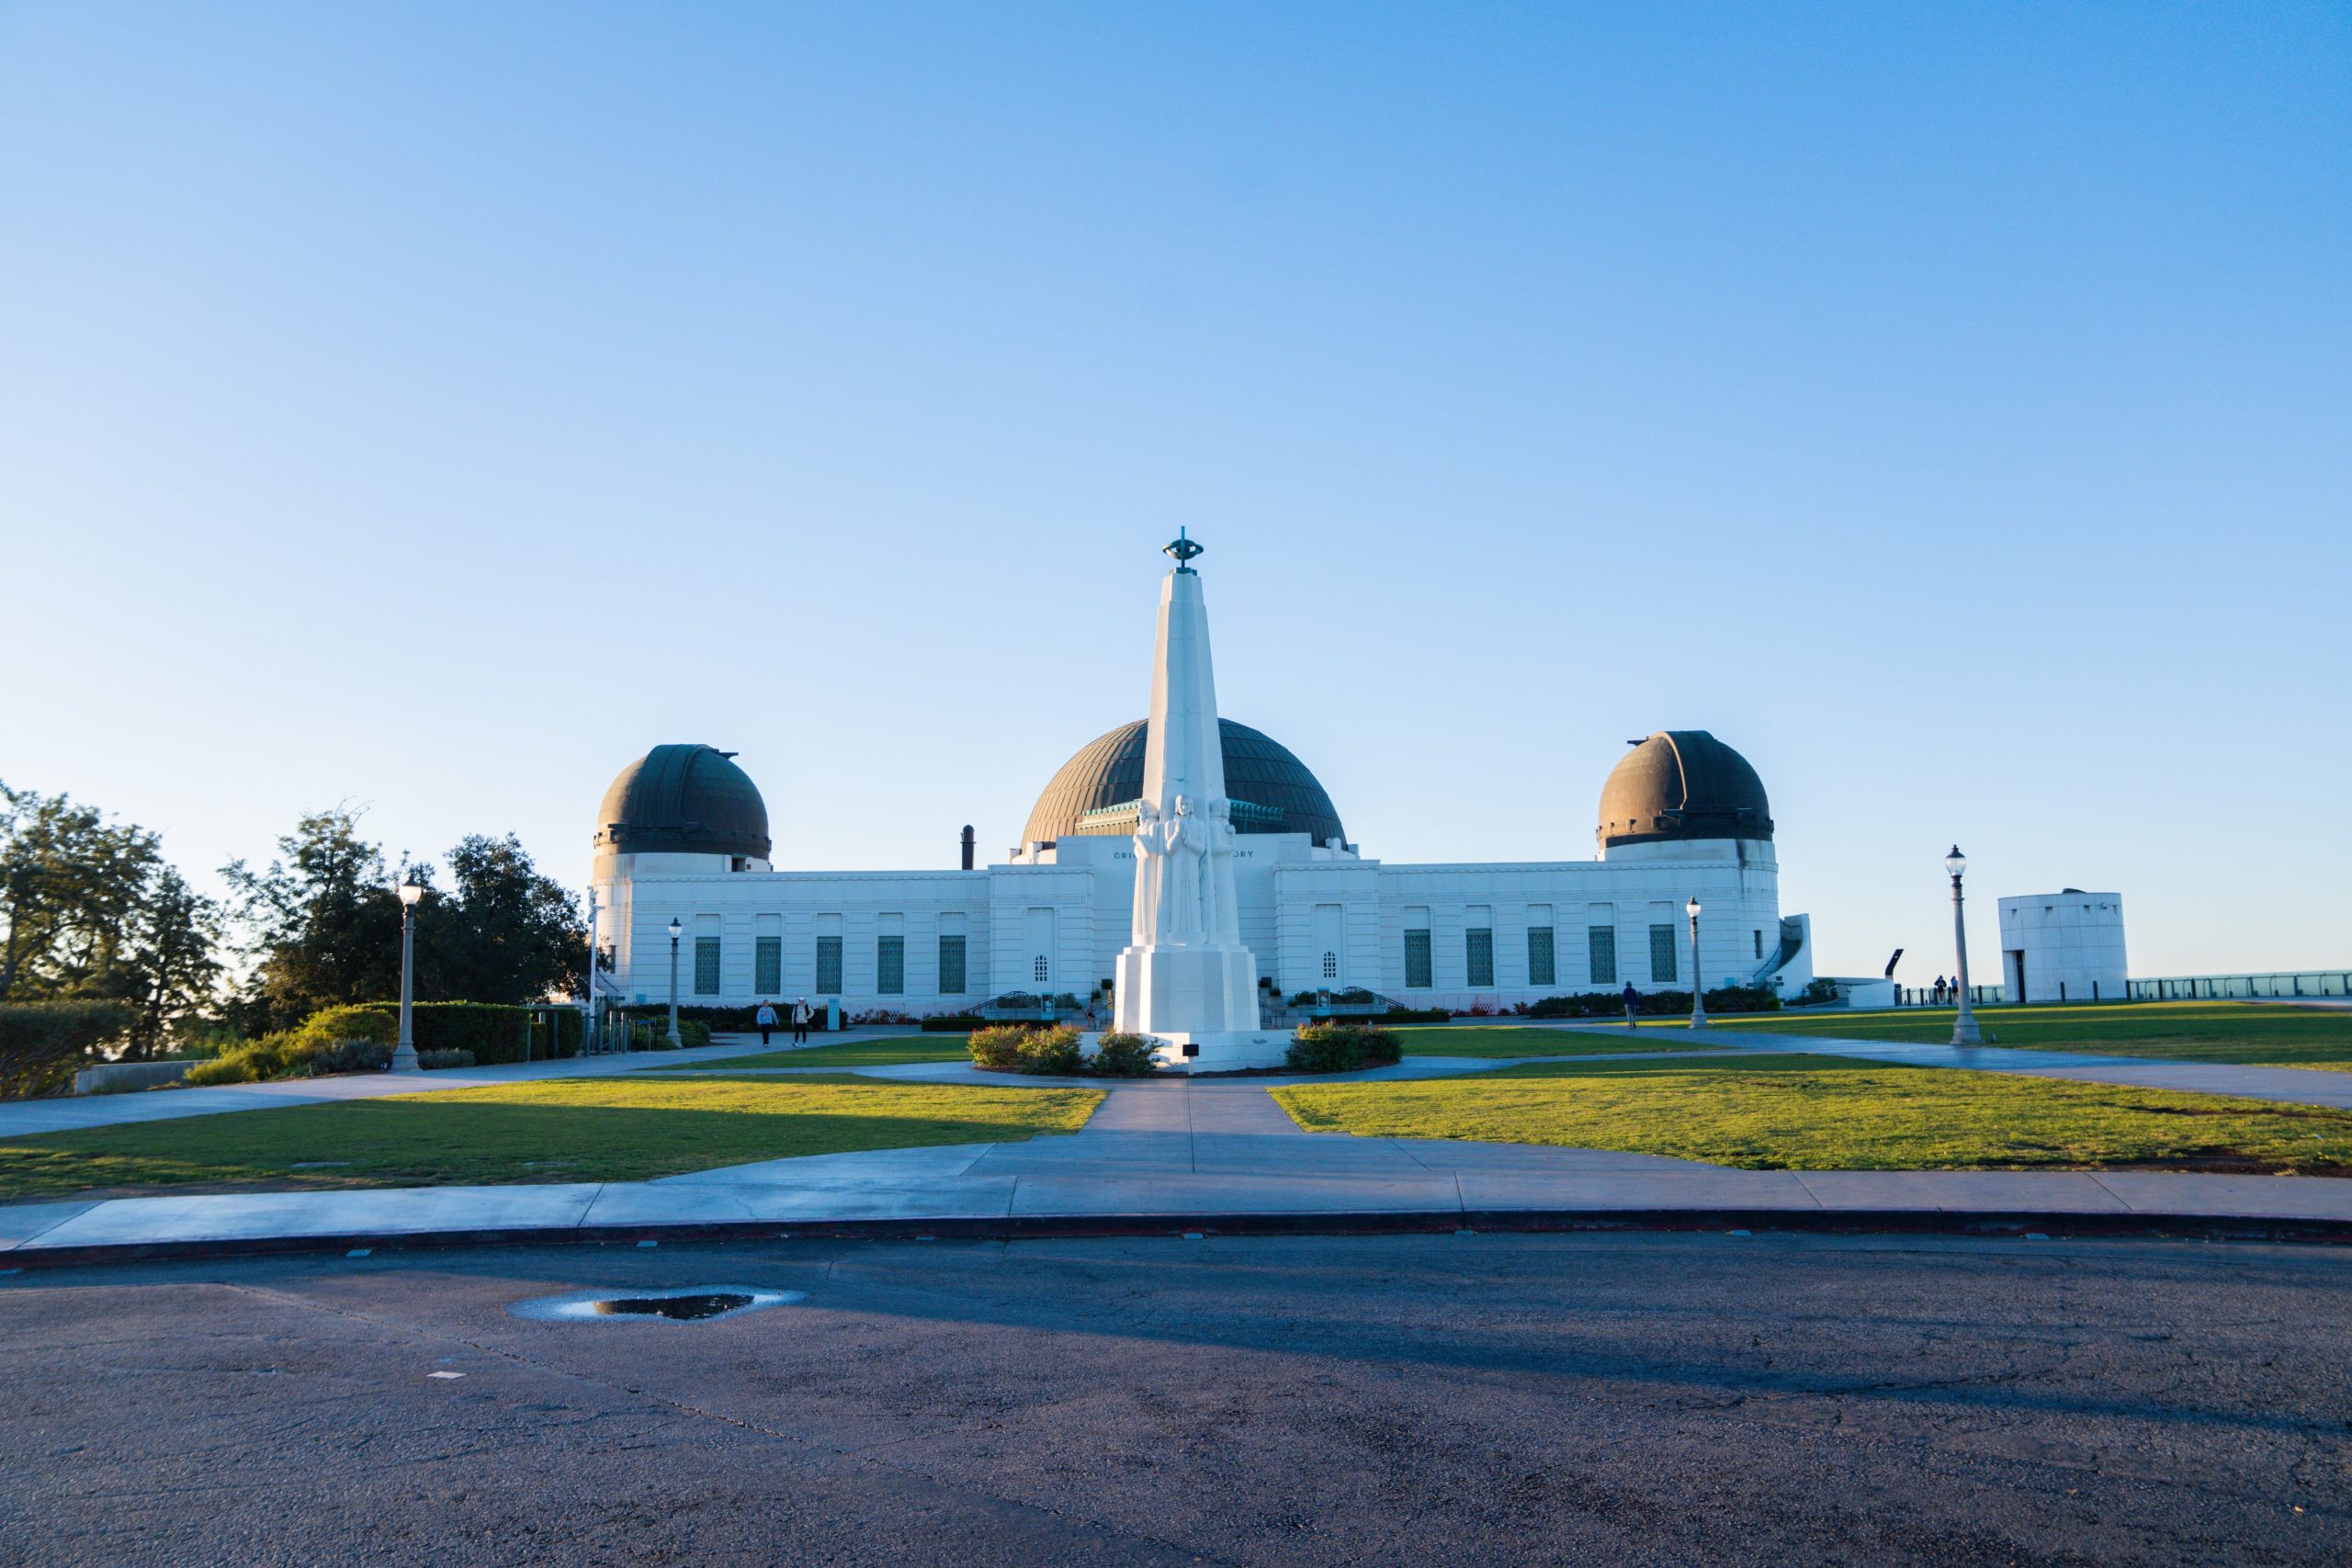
[800, 1022]
[1633, 1006]
[765, 1019]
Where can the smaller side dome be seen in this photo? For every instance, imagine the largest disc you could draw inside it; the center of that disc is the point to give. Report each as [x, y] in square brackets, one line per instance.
[1682, 783]
[684, 799]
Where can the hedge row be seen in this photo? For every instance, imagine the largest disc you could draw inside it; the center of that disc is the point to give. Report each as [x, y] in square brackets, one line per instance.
[495, 1034]
[1341, 1048]
[41, 1043]
[1656, 1004]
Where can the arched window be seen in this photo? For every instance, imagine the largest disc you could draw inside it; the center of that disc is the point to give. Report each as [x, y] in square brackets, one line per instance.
[1331, 965]
[1044, 971]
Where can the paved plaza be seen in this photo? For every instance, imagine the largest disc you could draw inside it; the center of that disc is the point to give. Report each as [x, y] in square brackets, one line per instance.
[1426, 1400]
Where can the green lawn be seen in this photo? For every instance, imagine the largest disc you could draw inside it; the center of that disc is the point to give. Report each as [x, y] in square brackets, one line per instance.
[1515, 1040]
[619, 1128]
[1805, 1112]
[2188, 1032]
[886, 1053]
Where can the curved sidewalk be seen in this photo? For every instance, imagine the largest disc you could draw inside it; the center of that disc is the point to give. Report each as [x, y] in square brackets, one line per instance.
[1203, 1155]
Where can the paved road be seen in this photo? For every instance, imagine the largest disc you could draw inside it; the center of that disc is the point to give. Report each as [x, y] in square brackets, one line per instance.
[1655, 1399]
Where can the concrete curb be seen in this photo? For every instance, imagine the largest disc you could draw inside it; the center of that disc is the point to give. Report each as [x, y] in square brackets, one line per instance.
[2013, 1225]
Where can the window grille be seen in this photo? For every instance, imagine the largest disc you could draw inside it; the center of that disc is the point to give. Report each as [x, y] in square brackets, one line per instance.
[829, 967]
[1331, 965]
[1601, 944]
[890, 966]
[1417, 961]
[1540, 969]
[951, 965]
[1478, 947]
[768, 965]
[705, 966]
[1042, 971]
[1662, 946]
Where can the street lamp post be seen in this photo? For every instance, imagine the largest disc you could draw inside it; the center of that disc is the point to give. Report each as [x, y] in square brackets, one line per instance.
[1697, 985]
[404, 1054]
[676, 931]
[588, 1005]
[1963, 1027]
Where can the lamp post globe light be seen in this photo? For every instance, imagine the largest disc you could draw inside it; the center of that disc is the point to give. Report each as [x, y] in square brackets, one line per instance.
[404, 1054]
[676, 931]
[1698, 986]
[1963, 1027]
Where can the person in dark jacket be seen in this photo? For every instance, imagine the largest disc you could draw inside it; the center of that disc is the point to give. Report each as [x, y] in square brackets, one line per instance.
[1633, 1006]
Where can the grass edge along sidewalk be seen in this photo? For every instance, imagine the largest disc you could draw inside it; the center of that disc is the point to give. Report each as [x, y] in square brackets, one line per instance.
[622, 1128]
[1808, 1112]
[2229, 1033]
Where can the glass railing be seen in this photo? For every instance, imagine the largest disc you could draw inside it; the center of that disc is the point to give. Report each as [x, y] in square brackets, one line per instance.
[2285, 985]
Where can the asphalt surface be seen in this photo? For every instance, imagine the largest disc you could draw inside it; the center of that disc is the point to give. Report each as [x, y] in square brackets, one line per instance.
[1638, 1399]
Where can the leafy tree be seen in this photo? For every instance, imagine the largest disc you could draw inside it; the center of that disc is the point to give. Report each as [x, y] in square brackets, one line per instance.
[324, 926]
[92, 911]
[507, 934]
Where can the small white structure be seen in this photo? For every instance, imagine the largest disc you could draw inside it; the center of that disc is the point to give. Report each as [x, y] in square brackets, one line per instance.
[2065, 946]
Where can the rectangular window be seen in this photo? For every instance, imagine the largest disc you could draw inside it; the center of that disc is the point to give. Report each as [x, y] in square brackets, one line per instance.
[1478, 949]
[705, 966]
[1662, 946]
[1541, 970]
[829, 967]
[890, 966]
[1417, 961]
[767, 964]
[1759, 944]
[1602, 942]
[951, 966]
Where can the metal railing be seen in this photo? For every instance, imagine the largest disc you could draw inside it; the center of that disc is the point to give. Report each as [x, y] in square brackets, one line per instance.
[2285, 985]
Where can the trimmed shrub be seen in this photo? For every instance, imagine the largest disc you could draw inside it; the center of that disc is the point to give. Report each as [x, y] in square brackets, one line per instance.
[1415, 1015]
[432, 1059]
[653, 1034]
[1118, 1056]
[998, 1045]
[1028, 1048]
[951, 1023]
[42, 1043]
[1341, 1048]
[319, 1060]
[1743, 999]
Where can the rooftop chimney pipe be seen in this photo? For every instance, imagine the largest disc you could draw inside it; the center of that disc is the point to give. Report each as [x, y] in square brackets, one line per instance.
[968, 846]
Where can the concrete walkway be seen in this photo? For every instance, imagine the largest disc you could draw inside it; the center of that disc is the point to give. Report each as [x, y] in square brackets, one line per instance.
[1174, 1152]
[23, 1118]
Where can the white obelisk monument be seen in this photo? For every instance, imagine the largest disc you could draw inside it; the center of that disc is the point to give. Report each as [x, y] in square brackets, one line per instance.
[1186, 977]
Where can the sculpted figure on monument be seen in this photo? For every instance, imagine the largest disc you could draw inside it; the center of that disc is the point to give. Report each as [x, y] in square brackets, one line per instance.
[1224, 911]
[1187, 860]
[1151, 861]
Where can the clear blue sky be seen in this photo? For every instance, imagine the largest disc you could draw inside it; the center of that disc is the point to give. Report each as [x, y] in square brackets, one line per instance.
[1949, 406]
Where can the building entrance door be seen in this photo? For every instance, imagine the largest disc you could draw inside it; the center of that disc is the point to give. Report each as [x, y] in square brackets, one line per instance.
[2016, 977]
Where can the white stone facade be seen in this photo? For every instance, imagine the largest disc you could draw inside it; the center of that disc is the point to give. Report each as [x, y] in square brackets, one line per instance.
[1070, 905]
[2064, 946]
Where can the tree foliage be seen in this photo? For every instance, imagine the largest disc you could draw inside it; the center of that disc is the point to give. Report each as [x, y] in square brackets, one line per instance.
[322, 926]
[90, 910]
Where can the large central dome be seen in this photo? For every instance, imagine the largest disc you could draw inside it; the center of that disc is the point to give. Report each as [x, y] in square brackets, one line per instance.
[1096, 791]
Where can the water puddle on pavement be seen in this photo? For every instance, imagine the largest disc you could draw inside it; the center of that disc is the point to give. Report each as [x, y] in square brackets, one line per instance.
[691, 1303]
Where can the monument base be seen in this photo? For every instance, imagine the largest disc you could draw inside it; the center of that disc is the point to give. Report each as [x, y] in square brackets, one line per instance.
[1170, 991]
[1230, 1051]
